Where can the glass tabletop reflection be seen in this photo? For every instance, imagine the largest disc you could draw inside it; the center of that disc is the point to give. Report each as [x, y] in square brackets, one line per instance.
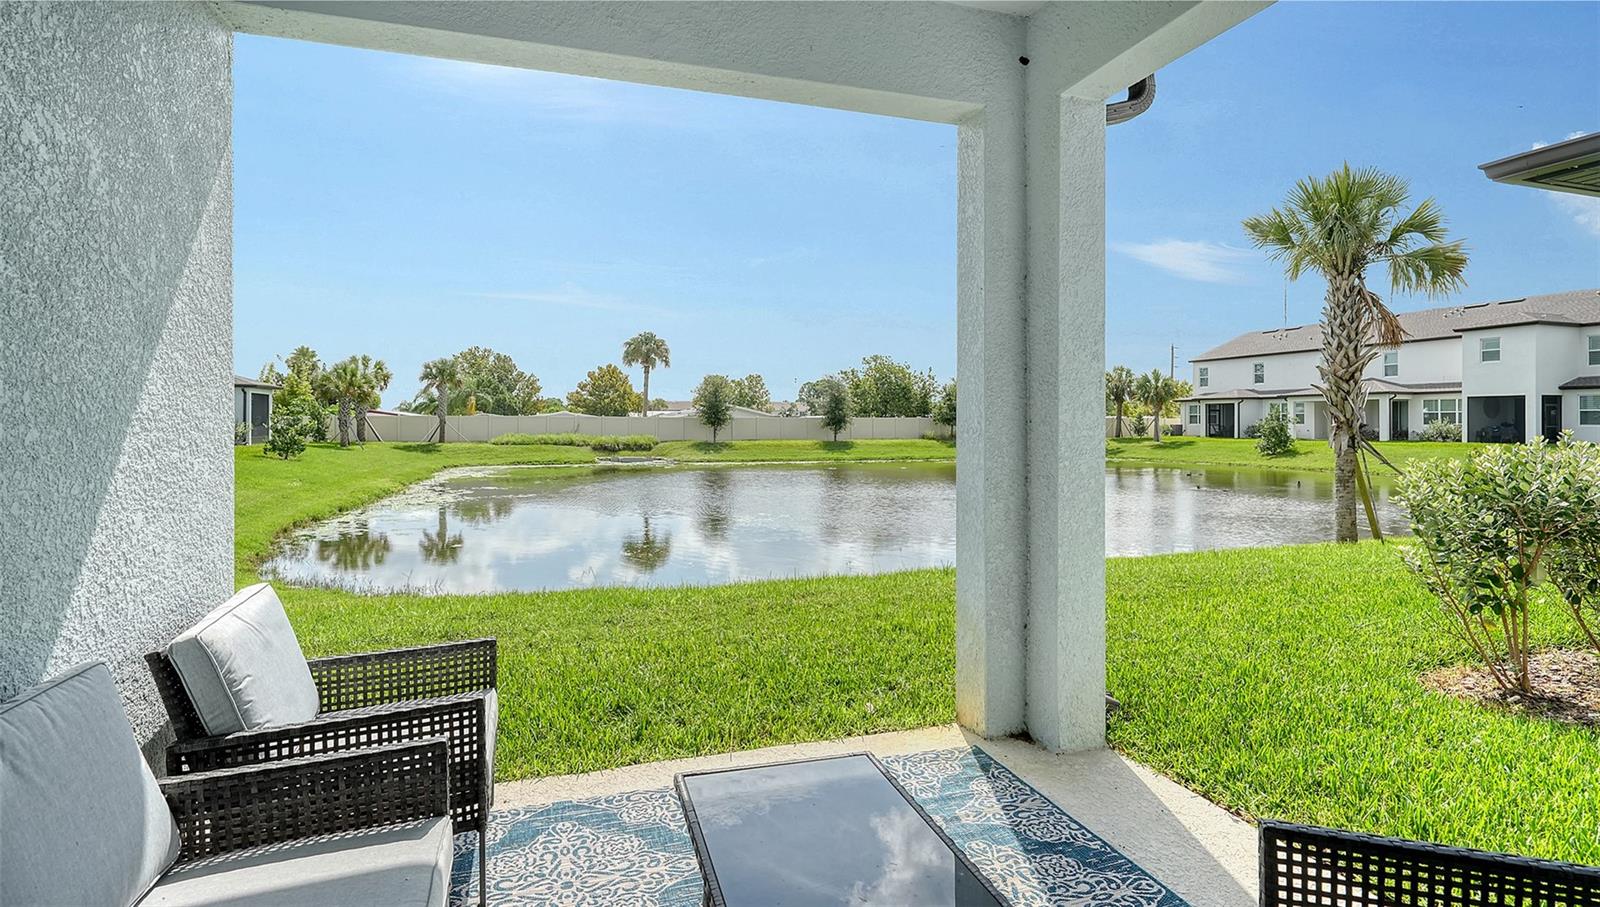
[824, 832]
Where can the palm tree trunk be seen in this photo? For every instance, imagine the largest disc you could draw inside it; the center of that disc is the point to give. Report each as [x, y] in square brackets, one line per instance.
[1344, 337]
[644, 408]
[1121, 405]
[443, 400]
[1155, 425]
[344, 421]
[361, 423]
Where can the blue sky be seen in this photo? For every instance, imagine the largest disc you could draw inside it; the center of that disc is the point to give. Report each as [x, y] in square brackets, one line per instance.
[409, 208]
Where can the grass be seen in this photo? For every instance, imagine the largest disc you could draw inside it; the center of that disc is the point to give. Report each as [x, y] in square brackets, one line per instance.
[776, 451]
[1277, 682]
[607, 443]
[1309, 456]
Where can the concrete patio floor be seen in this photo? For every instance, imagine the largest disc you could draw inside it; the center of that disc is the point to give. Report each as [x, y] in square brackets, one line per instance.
[1197, 849]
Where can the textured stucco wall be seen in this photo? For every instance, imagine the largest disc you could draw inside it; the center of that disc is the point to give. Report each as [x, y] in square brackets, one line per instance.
[116, 335]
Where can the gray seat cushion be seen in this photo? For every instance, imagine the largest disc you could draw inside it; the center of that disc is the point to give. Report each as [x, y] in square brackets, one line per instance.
[242, 666]
[394, 866]
[81, 818]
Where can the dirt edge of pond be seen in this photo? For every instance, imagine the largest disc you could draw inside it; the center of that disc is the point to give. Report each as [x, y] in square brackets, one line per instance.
[1567, 681]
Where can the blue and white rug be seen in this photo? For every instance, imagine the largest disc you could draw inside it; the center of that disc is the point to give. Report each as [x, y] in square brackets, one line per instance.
[633, 848]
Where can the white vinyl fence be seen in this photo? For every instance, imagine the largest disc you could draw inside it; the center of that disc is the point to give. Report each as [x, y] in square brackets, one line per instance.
[482, 427]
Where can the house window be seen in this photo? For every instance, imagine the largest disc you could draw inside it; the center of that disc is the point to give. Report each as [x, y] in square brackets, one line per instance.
[1277, 409]
[1594, 349]
[1205, 373]
[1299, 414]
[1489, 349]
[1391, 364]
[1259, 375]
[1444, 409]
[1194, 412]
[1589, 409]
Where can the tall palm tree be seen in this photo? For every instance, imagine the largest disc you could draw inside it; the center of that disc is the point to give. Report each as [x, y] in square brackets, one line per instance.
[1339, 226]
[342, 385]
[375, 378]
[647, 351]
[1119, 388]
[1156, 390]
[442, 376]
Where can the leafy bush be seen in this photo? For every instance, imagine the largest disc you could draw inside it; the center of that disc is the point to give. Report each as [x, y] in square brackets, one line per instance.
[1369, 433]
[1253, 430]
[241, 434]
[1440, 431]
[609, 443]
[1140, 426]
[1275, 438]
[1488, 527]
[289, 428]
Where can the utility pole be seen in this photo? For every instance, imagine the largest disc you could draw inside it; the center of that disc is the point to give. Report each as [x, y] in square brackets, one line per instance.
[1172, 361]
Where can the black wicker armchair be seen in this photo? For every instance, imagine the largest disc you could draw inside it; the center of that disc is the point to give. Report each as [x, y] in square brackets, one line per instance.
[368, 700]
[1305, 866]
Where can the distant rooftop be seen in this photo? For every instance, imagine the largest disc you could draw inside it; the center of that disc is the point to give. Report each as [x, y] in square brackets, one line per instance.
[1574, 307]
[241, 381]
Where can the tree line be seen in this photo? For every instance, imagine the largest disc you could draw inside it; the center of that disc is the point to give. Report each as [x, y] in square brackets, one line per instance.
[482, 380]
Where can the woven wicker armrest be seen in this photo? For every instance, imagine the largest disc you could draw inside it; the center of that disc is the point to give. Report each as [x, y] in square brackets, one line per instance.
[231, 809]
[1307, 866]
[462, 719]
[373, 678]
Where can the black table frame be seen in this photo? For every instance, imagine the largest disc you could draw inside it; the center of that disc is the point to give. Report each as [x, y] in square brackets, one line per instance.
[713, 888]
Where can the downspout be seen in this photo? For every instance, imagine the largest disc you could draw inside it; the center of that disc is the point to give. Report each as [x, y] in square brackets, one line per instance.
[1141, 95]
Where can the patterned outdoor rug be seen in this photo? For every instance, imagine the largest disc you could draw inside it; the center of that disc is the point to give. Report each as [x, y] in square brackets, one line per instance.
[633, 849]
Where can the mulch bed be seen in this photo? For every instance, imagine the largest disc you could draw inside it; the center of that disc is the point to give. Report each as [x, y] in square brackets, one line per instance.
[1568, 681]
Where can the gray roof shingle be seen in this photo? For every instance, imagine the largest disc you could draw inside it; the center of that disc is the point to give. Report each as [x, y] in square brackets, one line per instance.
[1574, 307]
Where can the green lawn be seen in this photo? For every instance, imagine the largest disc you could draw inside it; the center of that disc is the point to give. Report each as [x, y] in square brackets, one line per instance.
[1309, 456]
[1277, 682]
[772, 451]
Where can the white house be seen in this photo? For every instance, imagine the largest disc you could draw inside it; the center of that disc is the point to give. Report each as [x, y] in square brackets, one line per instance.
[1505, 371]
[252, 406]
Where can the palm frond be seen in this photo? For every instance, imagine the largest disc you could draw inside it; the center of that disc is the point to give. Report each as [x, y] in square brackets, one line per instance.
[1386, 327]
[1433, 270]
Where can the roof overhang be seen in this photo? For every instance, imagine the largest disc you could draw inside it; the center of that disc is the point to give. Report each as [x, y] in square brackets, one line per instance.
[1570, 166]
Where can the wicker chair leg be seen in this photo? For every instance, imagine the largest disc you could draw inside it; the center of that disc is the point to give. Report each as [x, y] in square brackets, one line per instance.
[483, 865]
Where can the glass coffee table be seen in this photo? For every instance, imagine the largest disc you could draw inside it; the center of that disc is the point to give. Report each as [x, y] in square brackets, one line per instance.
[830, 831]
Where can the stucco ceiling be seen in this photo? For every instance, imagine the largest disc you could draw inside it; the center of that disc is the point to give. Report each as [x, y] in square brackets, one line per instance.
[1009, 7]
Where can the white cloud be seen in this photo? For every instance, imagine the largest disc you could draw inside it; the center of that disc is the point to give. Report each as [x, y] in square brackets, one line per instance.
[1207, 262]
[1584, 210]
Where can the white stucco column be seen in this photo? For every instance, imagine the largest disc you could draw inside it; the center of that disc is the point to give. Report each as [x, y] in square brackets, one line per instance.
[1065, 453]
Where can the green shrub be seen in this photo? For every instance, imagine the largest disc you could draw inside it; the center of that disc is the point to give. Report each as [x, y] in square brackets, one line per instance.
[1440, 431]
[1275, 438]
[1488, 527]
[607, 443]
[241, 434]
[1140, 426]
[288, 430]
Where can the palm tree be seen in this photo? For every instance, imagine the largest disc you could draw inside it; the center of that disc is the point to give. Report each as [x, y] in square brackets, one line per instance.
[647, 351]
[342, 385]
[1156, 390]
[1119, 388]
[1339, 226]
[442, 376]
[440, 546]
[375, 378]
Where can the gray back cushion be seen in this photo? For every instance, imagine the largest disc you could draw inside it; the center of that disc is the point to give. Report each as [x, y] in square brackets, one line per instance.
[242, 666]
[81, 818]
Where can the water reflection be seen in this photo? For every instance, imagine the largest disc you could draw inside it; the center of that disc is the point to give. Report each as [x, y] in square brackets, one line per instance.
[504, 529]
[439, 546]
[357, 548]
[648, 550]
